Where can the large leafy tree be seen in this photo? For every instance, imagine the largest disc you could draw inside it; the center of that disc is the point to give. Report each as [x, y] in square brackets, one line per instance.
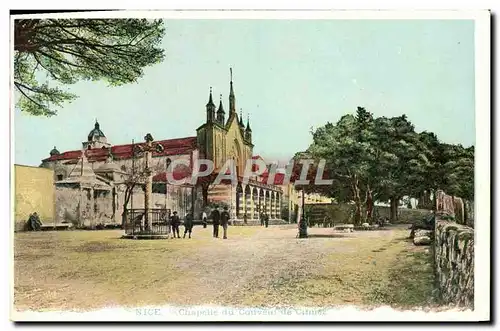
[50, 53]
[459, 169]
[346, 148]
[403, 164]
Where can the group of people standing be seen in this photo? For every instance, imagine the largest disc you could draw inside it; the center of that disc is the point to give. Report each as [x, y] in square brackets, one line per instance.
[220, 218]
[175, 222]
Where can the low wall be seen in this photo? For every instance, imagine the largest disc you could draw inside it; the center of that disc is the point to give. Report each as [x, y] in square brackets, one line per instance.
[454, 262]
[405, 215]
[341, 213]
[34, 192]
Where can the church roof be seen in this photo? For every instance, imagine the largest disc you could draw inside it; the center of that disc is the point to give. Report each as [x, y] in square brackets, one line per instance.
[95, 132]
[54, 151]
[109, 167]
[170, 147]
[82, 174]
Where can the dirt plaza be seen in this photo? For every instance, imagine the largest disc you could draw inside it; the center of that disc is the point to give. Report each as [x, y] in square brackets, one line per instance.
[256, 266]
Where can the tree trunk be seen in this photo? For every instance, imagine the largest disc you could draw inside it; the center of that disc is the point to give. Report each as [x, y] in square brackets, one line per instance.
[369, 204]
[394, 209]
[434, 200]
[357, 200]
[128, 193]
[396, 203]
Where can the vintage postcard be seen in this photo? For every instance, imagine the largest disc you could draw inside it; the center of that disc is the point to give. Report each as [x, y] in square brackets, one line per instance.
[251, 166]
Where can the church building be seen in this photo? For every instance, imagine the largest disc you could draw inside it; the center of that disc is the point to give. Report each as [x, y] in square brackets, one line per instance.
[92, 183]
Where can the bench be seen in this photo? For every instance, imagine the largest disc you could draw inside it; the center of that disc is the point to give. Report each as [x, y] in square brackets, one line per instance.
[344, 227]
[58, 226]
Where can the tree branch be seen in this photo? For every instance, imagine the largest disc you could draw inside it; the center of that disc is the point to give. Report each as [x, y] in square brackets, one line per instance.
[18, 86]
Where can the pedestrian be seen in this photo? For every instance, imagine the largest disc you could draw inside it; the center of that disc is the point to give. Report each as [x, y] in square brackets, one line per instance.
[176, 221]
[245, 219]
[266, 219]
[204, 219]
[261, 216]
[216, 221]
[224, 220]
[188, 224]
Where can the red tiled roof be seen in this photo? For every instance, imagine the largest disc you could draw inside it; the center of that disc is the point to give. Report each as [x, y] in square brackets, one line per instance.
[180, 172]
[170, 147]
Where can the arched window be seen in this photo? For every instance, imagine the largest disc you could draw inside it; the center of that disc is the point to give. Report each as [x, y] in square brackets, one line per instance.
[168, 163]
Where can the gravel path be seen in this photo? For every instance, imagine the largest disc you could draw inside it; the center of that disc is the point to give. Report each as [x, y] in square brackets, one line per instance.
[256, 266]
[226, 271]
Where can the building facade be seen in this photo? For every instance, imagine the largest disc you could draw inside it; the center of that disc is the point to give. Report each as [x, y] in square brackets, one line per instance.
[99, 174]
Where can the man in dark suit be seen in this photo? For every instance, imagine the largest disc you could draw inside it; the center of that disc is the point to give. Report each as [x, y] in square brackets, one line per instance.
[224, 220]
[188, 224]
[216, 221]
[176, 221]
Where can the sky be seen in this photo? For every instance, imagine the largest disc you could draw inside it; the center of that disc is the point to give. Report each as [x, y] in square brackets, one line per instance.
[289, 76]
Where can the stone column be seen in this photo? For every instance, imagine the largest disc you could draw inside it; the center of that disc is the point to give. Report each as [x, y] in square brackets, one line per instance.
[148, 191]
[251, 215]
[244, 200]
[278, 205]
[148, 149]
[267, 195]
[271, 205]
[256, 205]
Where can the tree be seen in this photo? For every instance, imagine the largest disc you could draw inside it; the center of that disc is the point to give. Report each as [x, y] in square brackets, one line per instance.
[136, 178]
[69, 50]
[384, 159]
[345, 147]
[459, 168]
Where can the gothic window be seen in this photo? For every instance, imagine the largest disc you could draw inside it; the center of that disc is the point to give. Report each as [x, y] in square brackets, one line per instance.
[123, 168]
[59, 177]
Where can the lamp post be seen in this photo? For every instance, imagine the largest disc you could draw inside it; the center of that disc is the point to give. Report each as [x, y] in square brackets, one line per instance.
[303, 222]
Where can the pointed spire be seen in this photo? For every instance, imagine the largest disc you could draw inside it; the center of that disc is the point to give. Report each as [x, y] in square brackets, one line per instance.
[210, 100]
[210, 108]
[241, 119]
[220, 112]
[221, 108]
[248, 124]
[232, 106]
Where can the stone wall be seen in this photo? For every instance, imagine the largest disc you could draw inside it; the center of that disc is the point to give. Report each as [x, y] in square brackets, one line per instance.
[405, 215]
[454, 262]
[34, 192]
[460, 209]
